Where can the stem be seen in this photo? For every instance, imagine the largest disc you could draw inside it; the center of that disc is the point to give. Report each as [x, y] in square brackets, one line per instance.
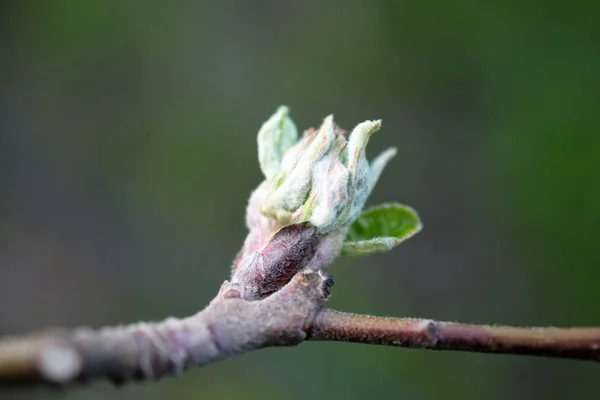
[574, 343]
[230, 326]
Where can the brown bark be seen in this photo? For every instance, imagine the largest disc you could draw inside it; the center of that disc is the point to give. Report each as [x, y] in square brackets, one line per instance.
[576, 343]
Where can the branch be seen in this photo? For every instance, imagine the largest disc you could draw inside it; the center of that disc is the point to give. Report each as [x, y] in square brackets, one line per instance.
[231, 326]
[574, 343]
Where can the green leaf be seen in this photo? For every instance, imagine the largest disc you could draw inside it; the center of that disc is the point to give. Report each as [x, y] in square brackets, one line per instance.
[275, 137]
[380, 229]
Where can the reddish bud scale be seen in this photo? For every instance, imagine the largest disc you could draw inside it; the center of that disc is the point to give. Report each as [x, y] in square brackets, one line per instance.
[287, 253]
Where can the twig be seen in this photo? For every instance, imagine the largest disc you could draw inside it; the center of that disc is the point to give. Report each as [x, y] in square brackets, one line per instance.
[574, 343]
[230, 326]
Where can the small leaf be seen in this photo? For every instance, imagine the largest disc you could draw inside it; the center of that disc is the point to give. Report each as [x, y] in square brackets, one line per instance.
[275, 137]
[377, 166]
[380, 229]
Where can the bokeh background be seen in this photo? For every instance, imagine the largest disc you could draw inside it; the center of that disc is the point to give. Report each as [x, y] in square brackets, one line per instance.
[128, 151]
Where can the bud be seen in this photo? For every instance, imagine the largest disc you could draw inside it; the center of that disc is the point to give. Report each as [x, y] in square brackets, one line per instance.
[319, 182]
[324, 178]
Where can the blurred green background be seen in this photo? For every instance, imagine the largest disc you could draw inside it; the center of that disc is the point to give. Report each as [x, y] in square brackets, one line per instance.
[128, 151]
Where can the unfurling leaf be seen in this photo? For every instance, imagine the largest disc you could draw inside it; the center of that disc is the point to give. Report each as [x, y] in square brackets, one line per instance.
[275, 137]
[380, 229]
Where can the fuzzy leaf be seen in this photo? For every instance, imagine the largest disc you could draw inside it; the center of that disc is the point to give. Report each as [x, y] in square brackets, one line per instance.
[275, 137]
[380, 229]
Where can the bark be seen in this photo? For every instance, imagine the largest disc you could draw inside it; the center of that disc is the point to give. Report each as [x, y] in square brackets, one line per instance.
[575, 343]
[230, 325]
